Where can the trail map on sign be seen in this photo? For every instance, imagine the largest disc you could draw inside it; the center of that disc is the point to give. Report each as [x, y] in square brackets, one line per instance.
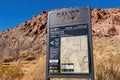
[74, 54]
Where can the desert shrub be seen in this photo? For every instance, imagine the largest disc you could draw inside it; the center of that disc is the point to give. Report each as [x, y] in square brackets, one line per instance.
[30, 58]
[23, 54]
[8, 59]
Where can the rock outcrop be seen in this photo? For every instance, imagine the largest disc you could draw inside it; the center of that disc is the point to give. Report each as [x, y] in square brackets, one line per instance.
[30, 37]
[106, 22]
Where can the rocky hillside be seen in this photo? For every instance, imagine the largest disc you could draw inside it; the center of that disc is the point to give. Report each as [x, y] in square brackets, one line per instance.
[30, 37]
[106, 33]
[106, 22]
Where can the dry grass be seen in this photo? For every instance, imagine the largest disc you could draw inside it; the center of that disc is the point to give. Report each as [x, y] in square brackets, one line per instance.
[106, 62]
[10, 72]
[38, 70]
[106, 59]
[107, 71]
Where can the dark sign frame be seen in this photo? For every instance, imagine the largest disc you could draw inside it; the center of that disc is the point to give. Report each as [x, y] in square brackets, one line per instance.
[84, 18]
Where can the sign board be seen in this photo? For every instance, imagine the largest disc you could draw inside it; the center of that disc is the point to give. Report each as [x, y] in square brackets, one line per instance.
[69, 46]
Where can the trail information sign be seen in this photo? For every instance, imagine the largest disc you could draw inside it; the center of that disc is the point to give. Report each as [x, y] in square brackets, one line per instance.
[69, 47]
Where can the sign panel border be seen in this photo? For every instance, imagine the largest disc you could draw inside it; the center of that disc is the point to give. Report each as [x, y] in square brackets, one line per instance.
[91, 63]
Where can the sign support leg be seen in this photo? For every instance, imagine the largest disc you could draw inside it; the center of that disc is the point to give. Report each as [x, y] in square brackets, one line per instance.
[47, 78]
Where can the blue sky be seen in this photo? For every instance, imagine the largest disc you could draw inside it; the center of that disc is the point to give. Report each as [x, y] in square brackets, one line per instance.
[15, 12]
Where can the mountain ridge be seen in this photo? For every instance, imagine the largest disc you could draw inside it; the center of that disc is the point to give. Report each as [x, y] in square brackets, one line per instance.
[30, 36]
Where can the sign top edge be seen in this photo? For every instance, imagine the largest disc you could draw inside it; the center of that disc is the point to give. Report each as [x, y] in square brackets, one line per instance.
[67, 9]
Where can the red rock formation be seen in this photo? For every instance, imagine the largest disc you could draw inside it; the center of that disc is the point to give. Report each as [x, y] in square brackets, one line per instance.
[31, 35]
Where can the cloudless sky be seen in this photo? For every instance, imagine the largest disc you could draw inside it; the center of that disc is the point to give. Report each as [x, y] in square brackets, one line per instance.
[15, 12]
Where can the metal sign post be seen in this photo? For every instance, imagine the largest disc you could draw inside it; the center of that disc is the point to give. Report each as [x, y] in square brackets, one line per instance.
[69, 44]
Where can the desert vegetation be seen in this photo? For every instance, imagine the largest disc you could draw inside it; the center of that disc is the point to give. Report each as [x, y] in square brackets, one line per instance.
[33, 66]
[10, 72]
[23, 48]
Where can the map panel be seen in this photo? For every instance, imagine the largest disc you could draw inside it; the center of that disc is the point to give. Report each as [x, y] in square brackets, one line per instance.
[74, 55]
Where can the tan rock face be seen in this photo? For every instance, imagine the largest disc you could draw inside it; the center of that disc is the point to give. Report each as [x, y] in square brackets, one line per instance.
[97, 14]
[31, 35]
[106, 22]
